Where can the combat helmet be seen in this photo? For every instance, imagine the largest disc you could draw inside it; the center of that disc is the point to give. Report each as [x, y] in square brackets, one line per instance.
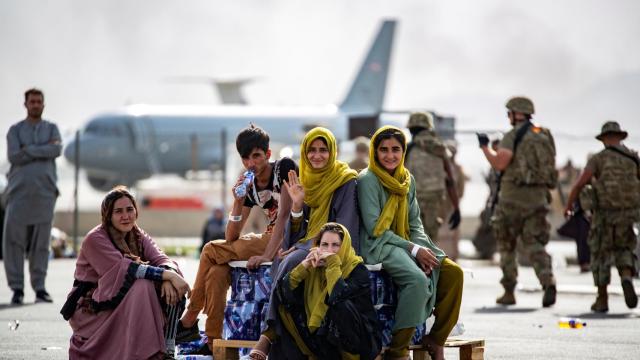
[420, 119]
[521, 104]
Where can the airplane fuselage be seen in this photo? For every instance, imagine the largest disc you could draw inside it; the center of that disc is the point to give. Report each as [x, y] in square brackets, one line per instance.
[130, 144]
[133, 143]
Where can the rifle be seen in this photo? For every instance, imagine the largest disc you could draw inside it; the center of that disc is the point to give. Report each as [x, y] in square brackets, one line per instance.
[519, 135]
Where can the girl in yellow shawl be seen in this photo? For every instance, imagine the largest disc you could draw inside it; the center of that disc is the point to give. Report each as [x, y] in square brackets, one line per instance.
[394, 236]
[326, 191]
[326, 303]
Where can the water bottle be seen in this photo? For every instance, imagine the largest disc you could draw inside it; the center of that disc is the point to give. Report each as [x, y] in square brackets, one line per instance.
[571, 323]
[241, 190]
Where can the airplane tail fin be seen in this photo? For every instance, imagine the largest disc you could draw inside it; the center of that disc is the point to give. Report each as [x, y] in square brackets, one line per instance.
[229, 90]
[366, 95]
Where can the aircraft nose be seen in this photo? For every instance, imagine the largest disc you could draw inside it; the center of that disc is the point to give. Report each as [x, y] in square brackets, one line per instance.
[70, 152]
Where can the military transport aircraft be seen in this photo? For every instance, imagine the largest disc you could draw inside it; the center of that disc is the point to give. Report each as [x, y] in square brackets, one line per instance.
[137, 141]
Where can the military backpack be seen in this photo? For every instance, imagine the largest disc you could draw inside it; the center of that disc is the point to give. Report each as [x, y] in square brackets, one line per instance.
[617, 185]
[534, 164]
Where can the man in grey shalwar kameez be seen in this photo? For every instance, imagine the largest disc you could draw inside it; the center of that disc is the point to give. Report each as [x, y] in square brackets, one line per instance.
[32, 147]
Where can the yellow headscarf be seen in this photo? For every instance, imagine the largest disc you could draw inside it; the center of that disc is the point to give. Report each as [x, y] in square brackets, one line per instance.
[395, 214]
[318, 285]
[320, 184]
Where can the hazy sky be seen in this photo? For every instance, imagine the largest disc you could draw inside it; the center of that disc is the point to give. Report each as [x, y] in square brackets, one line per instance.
[578, 60]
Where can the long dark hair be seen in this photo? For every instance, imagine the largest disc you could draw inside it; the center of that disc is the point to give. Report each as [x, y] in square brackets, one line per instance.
[132, 238]
[106, 209]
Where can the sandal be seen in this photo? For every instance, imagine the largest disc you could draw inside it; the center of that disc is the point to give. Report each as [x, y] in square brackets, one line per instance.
[257, 355]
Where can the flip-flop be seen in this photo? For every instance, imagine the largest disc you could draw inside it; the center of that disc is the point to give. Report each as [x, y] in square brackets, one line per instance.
[257, 355]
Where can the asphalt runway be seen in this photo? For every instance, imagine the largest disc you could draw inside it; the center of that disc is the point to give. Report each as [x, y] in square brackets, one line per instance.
[523, 331]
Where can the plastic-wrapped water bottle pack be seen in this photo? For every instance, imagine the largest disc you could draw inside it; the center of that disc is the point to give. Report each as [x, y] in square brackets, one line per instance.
[245, 312]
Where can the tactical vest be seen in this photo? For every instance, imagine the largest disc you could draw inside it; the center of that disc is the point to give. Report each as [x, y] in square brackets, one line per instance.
[617, 185]
[427, 169]
[534, 162]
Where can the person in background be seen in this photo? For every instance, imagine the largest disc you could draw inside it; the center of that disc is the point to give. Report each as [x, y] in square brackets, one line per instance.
[577, 226]
[526, 158]
[214, 227]
[392, 234]
[614, 174]
[450, 238]
[3, 186]
[361, 160]
[127, 294]
[428, 160]
[33, 145]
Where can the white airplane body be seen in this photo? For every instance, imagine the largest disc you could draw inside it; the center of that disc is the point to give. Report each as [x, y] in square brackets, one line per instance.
[133, 143]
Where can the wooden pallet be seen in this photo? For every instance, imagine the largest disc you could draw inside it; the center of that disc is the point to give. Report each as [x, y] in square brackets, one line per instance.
[469, 349]
[228, 349]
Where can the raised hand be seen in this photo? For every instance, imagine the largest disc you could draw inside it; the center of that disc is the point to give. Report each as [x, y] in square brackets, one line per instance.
[295, 190]
[483, 139]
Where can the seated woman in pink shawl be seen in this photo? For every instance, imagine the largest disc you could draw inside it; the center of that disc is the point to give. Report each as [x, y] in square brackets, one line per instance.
[127, 294]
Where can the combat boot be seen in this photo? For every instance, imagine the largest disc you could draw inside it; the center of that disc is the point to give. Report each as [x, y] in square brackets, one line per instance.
[602, 301]
[549, 297]
[630, 297]
[508, 298]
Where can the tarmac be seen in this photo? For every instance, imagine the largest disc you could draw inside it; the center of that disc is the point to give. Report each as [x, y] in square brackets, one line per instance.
[523, 331]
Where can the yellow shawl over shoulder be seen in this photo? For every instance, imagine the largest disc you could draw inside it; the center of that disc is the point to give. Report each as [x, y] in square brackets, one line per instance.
[395, 214]
[321, 280]
[319, 184]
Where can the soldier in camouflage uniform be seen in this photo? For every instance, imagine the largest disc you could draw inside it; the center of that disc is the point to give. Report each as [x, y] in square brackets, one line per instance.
[428, 162]
[526, 157]
[449, 239]
[615, 177]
